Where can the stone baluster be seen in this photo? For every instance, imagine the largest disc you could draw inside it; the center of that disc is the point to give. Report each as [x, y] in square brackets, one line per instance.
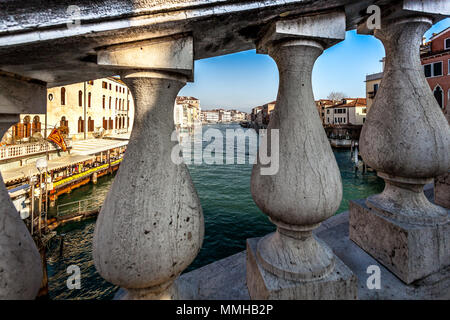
[20, 261]
[292, 263]
[406, 139]
[151, 225]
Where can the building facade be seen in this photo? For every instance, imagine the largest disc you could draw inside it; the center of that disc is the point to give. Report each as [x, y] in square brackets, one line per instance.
[83, 110]
[187, 112]
[350, 111]
[435, 57]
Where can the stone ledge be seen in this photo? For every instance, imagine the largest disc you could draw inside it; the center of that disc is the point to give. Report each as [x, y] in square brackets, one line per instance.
[226, 279]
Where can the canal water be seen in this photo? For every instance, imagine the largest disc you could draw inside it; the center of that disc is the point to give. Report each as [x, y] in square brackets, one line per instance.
[231, 217]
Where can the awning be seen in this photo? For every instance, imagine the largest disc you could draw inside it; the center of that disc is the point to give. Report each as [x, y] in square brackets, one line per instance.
[31, 170]
[94, 146]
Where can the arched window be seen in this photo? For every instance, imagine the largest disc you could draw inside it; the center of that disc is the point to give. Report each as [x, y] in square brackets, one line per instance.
[120, 104]
[63, 96]
[104, 102]
[128, 122]
[89, 99]
[80, 98]
[36, 127]
[109, 102]
[439, 95]
[116, 123]
[115, 107]
[110, 124]
[105, 124]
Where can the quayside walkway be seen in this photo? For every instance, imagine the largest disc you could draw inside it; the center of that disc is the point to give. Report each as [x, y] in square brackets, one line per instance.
[151, 225]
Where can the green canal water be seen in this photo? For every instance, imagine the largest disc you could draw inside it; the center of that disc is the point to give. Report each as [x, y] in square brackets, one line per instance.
[230, 218]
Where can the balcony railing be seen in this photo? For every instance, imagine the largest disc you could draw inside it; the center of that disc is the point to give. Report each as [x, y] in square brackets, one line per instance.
[21, 150]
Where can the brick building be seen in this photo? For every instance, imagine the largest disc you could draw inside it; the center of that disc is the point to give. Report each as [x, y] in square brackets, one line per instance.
[435, 56]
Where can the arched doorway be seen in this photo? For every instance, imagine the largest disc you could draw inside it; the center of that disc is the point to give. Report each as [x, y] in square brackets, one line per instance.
[439, 95]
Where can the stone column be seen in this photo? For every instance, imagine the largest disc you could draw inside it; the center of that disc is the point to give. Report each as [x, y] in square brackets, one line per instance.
[151, 225]
[20, 261]
[292, 263]
[406, 139]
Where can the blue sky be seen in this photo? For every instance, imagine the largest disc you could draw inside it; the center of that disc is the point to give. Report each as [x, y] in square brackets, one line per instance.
[245, 80]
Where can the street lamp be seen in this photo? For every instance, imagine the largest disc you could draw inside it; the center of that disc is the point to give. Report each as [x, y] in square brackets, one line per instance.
[41, 165]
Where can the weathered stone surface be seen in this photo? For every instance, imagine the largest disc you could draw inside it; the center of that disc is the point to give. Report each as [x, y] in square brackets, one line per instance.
[305, 188]
[20, 261]
[173, 54]
[340, 284]
[44, 41]
[22, 96]
[406, 138]
[143, 241]
[410, 251]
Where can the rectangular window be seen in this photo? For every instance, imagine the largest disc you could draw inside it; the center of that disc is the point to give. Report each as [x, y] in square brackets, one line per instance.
[437, 69]
[364, 110]
[433, 69]
[375, 88]
[447, 43]
[104, 85]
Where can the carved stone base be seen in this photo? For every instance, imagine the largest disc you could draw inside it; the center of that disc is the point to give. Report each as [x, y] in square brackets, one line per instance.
[262, 285]
[410, 251]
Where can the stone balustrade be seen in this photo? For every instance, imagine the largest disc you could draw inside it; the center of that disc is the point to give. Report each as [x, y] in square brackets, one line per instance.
[27, 149]
[143, 241]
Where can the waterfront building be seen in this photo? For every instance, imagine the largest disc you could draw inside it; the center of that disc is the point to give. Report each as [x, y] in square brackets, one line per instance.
[349, 111]
[435, 57]
[321, 105]
[85, 110]
[238, 116]
[211, 116]
[187, 112]
[224, 116]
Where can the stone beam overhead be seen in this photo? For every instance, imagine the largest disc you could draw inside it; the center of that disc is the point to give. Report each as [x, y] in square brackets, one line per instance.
[315, 27]
[174, 54]
[45, 42]
[437, 7]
